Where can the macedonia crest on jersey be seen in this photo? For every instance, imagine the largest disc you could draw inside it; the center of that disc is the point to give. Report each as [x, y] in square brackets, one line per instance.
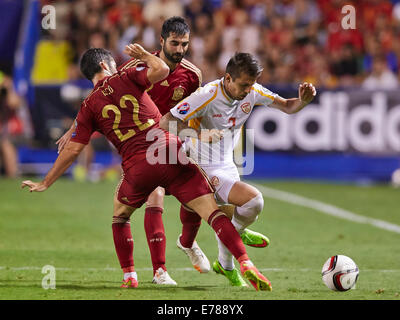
[246, 107]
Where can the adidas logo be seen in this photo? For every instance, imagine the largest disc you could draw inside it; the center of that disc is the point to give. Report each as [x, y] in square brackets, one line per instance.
[164, 83]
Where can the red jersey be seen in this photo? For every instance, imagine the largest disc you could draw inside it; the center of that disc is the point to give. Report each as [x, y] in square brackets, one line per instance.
[120, 108]
[179, 84]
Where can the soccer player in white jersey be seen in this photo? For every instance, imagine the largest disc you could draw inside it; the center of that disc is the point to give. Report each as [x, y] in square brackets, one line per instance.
[224, 105]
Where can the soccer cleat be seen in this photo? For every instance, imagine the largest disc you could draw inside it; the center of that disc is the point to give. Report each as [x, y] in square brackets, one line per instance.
[234, 277]
[162, 277]
[129, 283]
[259, 281]
[196, 256]
[254, 239]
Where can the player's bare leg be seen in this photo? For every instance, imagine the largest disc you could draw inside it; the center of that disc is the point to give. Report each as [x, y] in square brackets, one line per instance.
[228, 209]
[123, 242]
[247, 204]
[207, 209]
[155, 234]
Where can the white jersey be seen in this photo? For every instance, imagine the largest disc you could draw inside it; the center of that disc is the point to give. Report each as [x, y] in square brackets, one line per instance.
[210, 108]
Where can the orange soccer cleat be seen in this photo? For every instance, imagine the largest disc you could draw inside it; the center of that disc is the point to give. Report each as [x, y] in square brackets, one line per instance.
[256, 278]
[130, 283]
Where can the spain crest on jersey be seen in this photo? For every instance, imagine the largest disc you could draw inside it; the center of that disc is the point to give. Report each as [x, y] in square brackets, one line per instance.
[178, 93]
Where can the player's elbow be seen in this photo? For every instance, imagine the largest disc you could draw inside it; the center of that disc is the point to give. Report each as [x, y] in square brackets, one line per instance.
[158, 74]
[164, 71]
[289, 107]
[74, 149]
[289, 110]
[164, 121]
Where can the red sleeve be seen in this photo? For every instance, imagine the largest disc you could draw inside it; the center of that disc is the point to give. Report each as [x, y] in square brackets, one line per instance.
[195, 82]
[138, 75]
[83, 125]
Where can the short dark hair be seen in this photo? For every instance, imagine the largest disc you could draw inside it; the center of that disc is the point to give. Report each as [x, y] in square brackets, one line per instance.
[243, 62]
[175, 25]
[90, 61]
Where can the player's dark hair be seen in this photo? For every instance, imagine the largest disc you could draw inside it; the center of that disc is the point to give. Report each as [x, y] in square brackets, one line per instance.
[243, 62]
[176, 25]
[90, 61]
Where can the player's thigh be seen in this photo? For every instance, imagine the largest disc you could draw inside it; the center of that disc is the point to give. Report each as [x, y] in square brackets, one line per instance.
[193, 189]
[241, 193]
[222, 178]
[186, 182]
[156, 198]
[203, 205]
[129, 196]
[121, 209]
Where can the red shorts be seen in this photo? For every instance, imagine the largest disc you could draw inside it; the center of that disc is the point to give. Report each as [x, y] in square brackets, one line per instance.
[184, 181]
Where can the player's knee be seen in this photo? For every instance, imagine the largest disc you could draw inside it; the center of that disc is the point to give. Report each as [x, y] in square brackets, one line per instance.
[122, 210]
[159, 192]
[253, 207]
[156, 198]
[257, 203]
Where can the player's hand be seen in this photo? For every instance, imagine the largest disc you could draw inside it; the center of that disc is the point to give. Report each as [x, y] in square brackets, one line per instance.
[34, 186]
[136, 51]
[62, 142]
[211, 136]
[307, 92]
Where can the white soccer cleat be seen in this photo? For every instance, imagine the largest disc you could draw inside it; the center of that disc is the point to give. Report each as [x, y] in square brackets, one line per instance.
[162, 277]
[196, 256]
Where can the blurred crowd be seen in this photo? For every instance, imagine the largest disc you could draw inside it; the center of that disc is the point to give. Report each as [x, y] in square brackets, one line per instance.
[296, 40]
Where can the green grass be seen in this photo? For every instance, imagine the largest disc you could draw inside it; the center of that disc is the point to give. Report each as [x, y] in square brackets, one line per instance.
[69, 227]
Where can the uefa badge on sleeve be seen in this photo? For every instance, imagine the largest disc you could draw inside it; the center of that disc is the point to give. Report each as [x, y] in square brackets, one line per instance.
[183, 108]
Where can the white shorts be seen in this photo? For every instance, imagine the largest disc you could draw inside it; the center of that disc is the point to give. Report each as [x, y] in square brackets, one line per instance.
[222, 177]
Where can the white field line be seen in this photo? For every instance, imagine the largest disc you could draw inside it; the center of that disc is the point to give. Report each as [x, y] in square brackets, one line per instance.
[22, 268]
[325, 208]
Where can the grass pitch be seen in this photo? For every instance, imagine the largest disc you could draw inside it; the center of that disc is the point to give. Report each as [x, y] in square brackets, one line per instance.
[69, 227]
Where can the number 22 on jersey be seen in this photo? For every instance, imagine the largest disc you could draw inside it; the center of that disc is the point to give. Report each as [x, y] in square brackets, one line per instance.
[131, 132]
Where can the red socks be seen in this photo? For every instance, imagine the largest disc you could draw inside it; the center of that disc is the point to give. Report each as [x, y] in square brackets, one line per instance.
[190, 226]
[228, 235]
[123, 242]
[155, 234]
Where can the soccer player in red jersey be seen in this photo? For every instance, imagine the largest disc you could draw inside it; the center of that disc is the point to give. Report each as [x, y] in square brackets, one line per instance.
[120, 108]
[183, 79]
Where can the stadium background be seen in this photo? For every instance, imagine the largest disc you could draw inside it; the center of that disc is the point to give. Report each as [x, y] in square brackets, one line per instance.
[349, 138]
[351, 132]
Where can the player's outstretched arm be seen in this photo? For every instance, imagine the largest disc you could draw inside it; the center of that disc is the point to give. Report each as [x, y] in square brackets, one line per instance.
[158, 69]
[63, 162]
[62, 142]
[307, 93]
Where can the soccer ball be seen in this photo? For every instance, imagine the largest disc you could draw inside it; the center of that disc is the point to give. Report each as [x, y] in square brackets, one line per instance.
[340, 273]
[396, 178]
